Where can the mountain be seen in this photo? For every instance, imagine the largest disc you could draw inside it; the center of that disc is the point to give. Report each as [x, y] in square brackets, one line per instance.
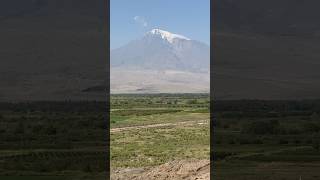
[162, 50]
[160, 61]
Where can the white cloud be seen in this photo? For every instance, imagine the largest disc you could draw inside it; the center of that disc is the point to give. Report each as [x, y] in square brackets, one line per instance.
[140, 20]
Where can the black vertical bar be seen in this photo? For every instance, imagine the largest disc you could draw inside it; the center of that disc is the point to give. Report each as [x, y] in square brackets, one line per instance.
[107, 120]
[212, 117]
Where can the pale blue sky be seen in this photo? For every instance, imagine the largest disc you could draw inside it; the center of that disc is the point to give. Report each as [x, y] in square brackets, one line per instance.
[130, 19]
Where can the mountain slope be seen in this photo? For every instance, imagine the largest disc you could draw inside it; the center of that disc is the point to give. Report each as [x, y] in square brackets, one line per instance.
[162, 50]
[160, 62]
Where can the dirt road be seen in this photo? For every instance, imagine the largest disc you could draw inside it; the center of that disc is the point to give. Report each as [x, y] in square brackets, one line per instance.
[199, 122]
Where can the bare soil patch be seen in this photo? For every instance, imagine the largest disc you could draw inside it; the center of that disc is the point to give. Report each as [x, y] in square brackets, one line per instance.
[174, 170]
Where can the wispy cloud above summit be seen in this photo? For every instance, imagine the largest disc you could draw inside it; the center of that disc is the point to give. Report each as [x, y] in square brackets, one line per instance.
[140, 20]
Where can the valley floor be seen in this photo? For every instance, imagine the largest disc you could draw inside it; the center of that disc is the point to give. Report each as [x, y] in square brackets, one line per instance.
[160, 137]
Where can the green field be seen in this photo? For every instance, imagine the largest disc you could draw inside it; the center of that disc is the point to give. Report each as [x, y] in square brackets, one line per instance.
[149, 130]
[252, 139]
[267, 140]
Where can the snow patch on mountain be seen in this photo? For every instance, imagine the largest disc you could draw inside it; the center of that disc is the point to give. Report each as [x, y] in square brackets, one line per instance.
[167, 35]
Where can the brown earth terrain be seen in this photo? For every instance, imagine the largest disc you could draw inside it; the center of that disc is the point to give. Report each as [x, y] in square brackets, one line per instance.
[199, 122]
[185, 169]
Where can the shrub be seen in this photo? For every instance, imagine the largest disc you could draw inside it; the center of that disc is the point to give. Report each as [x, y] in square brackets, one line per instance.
[192, 101]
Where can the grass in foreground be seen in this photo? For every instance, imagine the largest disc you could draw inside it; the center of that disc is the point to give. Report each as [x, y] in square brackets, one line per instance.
[185, 135]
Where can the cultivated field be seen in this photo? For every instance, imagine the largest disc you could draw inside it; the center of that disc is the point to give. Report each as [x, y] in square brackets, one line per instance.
[163, 136]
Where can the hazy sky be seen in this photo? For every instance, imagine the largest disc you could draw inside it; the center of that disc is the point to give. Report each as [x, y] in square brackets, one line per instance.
[130, 19]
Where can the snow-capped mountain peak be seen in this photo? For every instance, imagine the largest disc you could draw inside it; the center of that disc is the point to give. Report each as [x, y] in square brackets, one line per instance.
[162, 50]
[166, 35]
[159, 61]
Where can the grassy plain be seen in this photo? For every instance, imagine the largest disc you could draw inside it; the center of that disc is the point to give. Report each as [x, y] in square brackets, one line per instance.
[149, 130]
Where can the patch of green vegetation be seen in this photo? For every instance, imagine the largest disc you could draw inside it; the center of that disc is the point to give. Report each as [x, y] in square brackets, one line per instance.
[143, 147]
[154, 146]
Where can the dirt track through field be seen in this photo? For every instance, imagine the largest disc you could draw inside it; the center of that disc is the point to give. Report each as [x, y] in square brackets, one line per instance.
[200, 122]
[174, 170]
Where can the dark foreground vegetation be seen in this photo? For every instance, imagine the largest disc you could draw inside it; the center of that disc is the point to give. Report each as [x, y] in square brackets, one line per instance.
[53, 140]
[267, 139]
